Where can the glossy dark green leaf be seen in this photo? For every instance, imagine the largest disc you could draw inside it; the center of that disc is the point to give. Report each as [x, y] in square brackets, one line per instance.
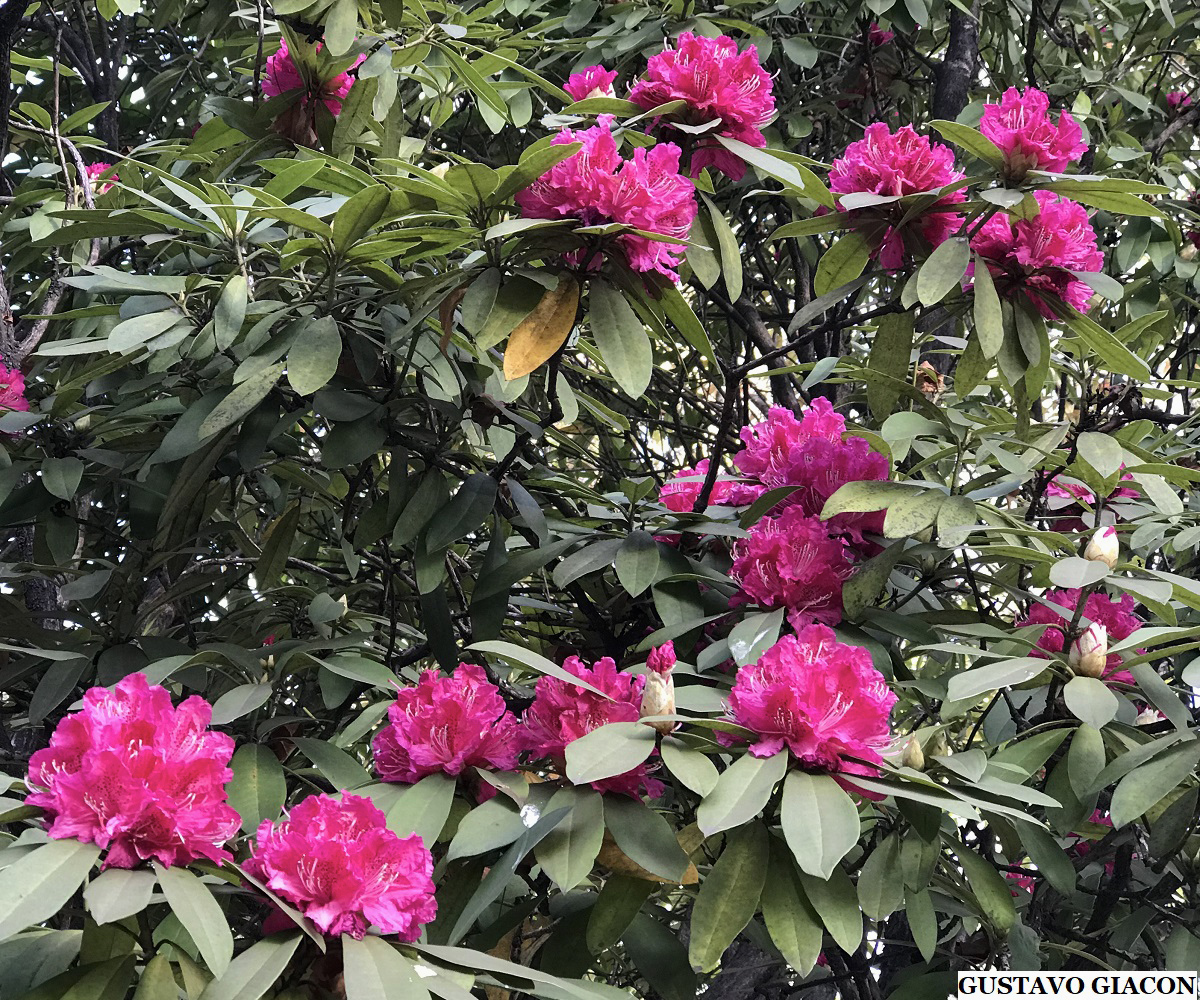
[728, 898]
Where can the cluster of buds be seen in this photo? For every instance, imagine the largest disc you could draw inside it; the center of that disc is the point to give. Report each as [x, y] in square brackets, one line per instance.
[658, 697]
[1088, 655]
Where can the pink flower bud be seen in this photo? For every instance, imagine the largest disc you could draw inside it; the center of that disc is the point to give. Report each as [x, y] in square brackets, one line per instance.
[662, 658]
[1104, 547]
[1088, 655]
[658, 698]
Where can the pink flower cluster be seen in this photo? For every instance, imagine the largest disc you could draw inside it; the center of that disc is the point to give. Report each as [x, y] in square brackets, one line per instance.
[1065, 497]
[1177, 100]
[94, 170]
[819, 698]
[1115, 614]
[337, 862]
[446, 725]
[717, 83]
[12, 390]
[1034, 257]
[283, 76]
[594, 81]
[893, 165]
[133, 774]
[680, 492]
[563, 712]
[1021, 127]
[879, 36]
[598, 186]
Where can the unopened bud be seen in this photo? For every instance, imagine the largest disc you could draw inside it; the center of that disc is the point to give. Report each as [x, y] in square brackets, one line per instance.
[440, 170]
[658, 696]
[913, 755]
[1149, 717]
[1088, 655]
[1104, 547]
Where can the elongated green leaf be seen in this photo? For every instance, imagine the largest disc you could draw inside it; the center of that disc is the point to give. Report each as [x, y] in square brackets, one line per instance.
[741, 792]
[841, 263]
[820, 821]
[313, 358]
[728, 249]
[645, 837]
[134, 332]
[230, 311]
[891, 348]
[118, 893]
[258, 788]
[422, 808]
[691, 767]
[608, 750]
[729, 896]
[881, 881]
[157, 980]
[791, 921]
[637, 562]
[375, 970]
[836, 903]
[337, 765]
[972, 141]
[1144, 787]
[616, 907]
[991, 892]
[989, 320]
[568, 852]
[38, 885]
[620, 337]
[534, 661]
[255, 970]
[943, 270]
[466, 511]
[244, 398]
[923, 922]
[193, 904]
[358, 215]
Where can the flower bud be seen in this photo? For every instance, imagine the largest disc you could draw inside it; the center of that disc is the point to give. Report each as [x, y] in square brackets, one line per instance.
[1088, 655]
[1104, 547]
[913, 756]
[658, 696]
[440, 170]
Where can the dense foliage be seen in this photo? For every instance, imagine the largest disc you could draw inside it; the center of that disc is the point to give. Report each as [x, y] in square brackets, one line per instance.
[585, 498]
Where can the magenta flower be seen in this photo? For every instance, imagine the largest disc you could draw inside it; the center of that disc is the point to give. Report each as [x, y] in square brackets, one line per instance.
[878, 36]
[283, 75]
[1022, 881]
[1177, 100]
[681, 491]
[446, 724]
[791, 561]
[1035, 257]
[1065, 497]
[893, 165]
[819, 698]
[1116, 615]
[1021, 128]
[597, 186]
[12, 390]
[562, 712]
[811, 453]
[717, 84]
[135, 775]
[337, 862]
[594, 81]
[95, 170]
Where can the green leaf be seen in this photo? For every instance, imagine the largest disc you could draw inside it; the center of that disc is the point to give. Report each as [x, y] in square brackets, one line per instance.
[495, 823]
[754, 635]
[342, 770]
[608, 750]
[820, 821]
[117, 893]
[881, 881]
[356, 111]
[811, 227]
[532, 165]
[422, 808]
[1075, 572]
[1002, 673]
[258, 789]
[870, 577]
[363, 670]
[972, 141]
[923, 922]
[1085, 759]
[770, 164]
[193, 904]
[660, 957]
[1144, 787]
[620, 337]
[313, 358]
[729, 897]
[991, 891]
[242, 700]
[61, 476]
[943, 270]
[741, 792]
[157, 981]
[989, 318]
[534, 661]
[645, 837]
[836, 903]
[891, 351]
[244, 398]
[1161, 696]
[792, 923]
[377, 971]
[842, 263]
[616, 908]
[230, 311]
[1090, 701]
[134, 332]
[569, 850]
[465, 512]
[1051, 860]
[358, 216]
[1102, 452]
[728, 249]
[255, 970]
[637, 562]
[35, 887]
[693, 768]
[1112, 353]
[341, 26]
[680, 313]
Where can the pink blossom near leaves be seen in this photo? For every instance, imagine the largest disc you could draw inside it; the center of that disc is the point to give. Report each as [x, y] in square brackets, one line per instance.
[1066, 497]
[893, 165]
[593, 81]
[813, 454]
[1115, 614]
[879, 36]
[662, 658]
[681, 491]
[283, 75]
[1034, 258]
[134, 774]
[1177, 100]
[1022, 128]
[95, 170]
[791, 561]
[12, 390]
[562, 712]
[716, 82]
[446, 725]
[819, 698]
[337, 862]
[598, 186]
[1021, 881]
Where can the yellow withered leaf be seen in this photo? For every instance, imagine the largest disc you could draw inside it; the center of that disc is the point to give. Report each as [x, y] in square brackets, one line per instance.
[616, 860]
[543, 331]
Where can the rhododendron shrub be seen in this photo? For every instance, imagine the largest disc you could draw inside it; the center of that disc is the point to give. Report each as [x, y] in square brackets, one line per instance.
[1023, 129]
[1117, 615]
[337, 862]
[283, 76]
[138, 776]
[593, 81]
[12, 390]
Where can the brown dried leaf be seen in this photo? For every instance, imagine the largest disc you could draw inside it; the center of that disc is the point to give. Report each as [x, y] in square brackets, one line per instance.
[617, 861]
[446, 314]
[540, 334]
